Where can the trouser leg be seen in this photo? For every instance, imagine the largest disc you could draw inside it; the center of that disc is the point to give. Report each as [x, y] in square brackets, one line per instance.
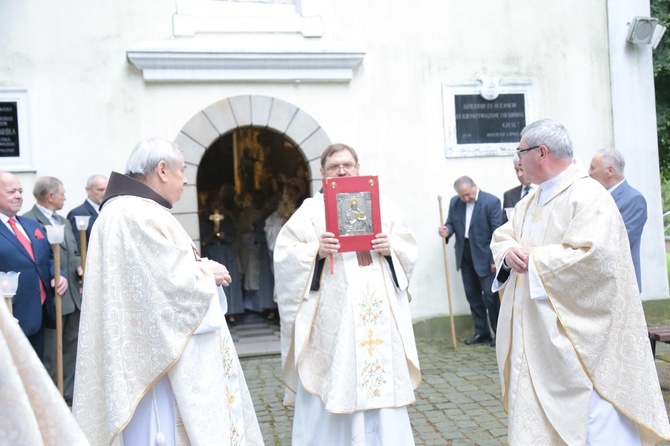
[473, 292]
[491, 300]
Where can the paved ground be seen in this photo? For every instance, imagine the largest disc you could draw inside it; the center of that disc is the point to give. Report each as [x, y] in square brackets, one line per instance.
[458, 402]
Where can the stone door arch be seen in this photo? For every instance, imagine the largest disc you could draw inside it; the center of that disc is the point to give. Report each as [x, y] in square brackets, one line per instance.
[223, 116]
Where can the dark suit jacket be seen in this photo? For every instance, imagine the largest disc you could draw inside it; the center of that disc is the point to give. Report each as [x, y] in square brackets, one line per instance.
[14, 257]
[486, 218]
[510, 199]
[84, 209]
[633, 209]
[69, 258]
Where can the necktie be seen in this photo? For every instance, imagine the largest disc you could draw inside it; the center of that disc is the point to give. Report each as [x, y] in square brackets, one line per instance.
[28, 247]
[525, 191]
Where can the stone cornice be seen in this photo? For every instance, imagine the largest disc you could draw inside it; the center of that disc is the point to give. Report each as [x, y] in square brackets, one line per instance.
[176, 60]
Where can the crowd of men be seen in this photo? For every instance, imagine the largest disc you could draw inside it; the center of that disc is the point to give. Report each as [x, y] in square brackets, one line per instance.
[149, 359]
[26, 250]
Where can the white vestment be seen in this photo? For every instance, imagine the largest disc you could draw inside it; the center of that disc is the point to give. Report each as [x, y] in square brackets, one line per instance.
[351, 343]
[150, 310]
[580, 328]
[32, 411]
[273, 225]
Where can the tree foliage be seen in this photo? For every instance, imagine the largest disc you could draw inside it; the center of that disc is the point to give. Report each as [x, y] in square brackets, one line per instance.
[661, 10]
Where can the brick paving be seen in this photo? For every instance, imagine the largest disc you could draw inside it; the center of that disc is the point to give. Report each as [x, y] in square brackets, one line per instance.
[458, 402]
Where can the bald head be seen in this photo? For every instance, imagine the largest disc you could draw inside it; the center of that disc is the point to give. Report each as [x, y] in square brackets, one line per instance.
[11, 194]
[607, 167]
[96, 186]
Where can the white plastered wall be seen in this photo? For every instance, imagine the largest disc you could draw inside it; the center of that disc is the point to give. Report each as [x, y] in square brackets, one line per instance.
[90, 106]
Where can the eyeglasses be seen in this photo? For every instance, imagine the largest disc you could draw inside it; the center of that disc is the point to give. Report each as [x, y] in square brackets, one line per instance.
[520, 151]
[336, 168]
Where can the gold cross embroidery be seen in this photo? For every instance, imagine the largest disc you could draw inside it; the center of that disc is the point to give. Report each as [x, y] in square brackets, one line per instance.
[231, 399]
[371, 342]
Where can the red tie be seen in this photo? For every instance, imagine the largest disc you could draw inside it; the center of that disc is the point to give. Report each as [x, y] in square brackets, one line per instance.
[28, 247]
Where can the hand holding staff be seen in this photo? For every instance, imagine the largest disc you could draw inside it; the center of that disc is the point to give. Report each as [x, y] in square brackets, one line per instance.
[446, 272]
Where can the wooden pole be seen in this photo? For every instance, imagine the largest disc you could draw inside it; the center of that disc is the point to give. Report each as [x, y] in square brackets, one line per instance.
[82, 243]
[59, 320]
[446, 273]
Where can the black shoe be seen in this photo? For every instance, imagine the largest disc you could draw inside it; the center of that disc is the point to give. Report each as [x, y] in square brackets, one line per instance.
[478, 339]
[493, 342]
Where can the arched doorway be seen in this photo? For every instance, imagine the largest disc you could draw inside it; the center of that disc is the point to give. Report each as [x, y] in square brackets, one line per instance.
[213, 169]
[249, 182]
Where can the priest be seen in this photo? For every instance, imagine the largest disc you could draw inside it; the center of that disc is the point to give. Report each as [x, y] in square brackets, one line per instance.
[32, 410]
[575, 362]
[348, 351]
[156, 364]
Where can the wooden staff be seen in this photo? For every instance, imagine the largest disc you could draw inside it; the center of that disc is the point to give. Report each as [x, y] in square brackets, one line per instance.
[446, 273]
[82, 243]
[59, 320]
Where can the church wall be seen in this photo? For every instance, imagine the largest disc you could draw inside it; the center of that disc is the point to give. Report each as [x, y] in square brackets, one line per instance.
[89, 105]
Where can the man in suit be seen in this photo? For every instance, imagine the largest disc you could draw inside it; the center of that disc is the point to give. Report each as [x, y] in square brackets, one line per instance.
[607, 167]
[473, 216]
[24, 248]
[514, 195]
[50, 195]
[95, 190]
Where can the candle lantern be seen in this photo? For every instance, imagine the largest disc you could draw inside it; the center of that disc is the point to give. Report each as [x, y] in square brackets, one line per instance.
[56, 235]
[9, 283]
[82, 222]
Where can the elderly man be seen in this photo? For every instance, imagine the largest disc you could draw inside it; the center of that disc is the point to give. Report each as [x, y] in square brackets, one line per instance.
[156, 363]
[515, 194]
[473, 216]
[50, 195]
[95, 190]
[607, 167]
[348, 350]
[24, 248]
[574, 358]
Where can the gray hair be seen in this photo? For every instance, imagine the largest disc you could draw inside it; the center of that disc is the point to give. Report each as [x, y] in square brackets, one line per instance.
[551, 134]
[44, 186]
[515, 159]
[463, 181]
[148, 153]
[614, 157]
[91, 179]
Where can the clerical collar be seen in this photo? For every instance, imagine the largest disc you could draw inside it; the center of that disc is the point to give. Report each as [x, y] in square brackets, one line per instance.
[611, 189]
[547, 187]
[120, 184]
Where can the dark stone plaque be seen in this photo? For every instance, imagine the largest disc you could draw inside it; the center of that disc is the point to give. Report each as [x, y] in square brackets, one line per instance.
[9, 129]
[479, 121]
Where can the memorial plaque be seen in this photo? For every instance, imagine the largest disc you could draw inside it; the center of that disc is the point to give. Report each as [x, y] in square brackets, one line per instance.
[9, 130]
[479, 121]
